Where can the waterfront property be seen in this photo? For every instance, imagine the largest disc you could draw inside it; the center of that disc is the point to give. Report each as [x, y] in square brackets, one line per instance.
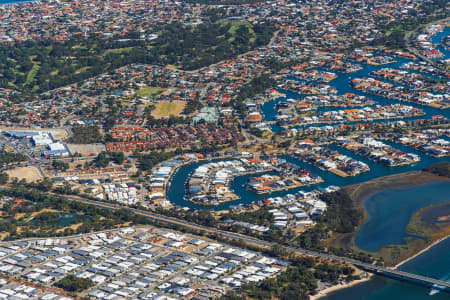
[209, 184]
[399, 93]
[430, 142]
[378, 151]
[377, 112]
[415, 81]
[287, 176]
[327, 159]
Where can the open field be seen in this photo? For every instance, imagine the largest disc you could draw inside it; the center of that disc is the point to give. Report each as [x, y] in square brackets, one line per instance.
[119, 50]
[236, 24]
[86, 149]
[148, 91]
[165, 109]
[28, 173]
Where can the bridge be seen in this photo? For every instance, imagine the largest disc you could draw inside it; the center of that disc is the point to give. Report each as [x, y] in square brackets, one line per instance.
[376, 269]
[264, 244]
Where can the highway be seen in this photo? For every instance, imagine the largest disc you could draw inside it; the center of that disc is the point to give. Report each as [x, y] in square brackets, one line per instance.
[264, 244]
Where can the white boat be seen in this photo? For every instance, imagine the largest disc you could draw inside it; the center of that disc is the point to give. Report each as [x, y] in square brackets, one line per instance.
[436, 288]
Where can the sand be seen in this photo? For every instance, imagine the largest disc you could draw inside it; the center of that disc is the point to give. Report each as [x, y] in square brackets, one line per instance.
[420, 252]
[86, 149]
[165, 109]
[30, 174]
[334, 288]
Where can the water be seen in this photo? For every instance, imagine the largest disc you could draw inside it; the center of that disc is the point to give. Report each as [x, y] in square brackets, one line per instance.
[341, 83]
[386, 226]
[434, 263]
[437, 39]
[175, 193]
[64, 219]
[13, 1]
[389, 212]
[68, 219]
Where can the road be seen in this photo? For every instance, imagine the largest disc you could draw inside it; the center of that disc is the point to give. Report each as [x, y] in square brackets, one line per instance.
[141, 177]
[265, 244]
[415, 51]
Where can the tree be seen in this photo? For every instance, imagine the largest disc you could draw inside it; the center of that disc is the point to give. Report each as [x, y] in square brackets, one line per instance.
[72, 283]
[341, 215]
[441, 169]
[60, 165]
[4, 177]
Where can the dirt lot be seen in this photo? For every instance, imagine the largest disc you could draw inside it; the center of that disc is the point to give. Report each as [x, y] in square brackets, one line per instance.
[28, 173]
[86, 150]
[165, 109]
[57, 133]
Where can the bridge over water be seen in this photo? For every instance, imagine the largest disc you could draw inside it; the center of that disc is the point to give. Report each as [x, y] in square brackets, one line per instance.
[378, 269]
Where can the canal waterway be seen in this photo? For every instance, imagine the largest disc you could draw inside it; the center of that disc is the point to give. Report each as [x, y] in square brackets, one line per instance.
[389, 211]
[437, 39]
[176, 190]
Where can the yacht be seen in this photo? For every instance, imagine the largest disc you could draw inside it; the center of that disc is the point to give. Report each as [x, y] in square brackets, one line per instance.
[436, 288]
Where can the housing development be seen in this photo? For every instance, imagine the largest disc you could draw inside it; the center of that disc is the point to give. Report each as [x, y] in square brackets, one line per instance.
[218, 149]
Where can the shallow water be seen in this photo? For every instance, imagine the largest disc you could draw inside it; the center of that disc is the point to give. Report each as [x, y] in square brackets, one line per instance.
[389, 212]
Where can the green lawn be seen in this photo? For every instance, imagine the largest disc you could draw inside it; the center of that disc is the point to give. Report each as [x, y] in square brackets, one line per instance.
[32, 74]
[148, 91]
[236, 24]
[119, 50]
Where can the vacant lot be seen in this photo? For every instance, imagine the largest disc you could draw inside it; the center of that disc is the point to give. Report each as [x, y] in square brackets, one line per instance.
[165, 109]
[148, 91]
[86, 149]
[28, 173]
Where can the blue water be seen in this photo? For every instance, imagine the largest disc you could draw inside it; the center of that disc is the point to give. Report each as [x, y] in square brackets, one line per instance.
[434, 263]
[68, 219]
[389, 212]
[341, 83]
[175, 192]
[13, 1]
[437, 39]
[386, 225]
